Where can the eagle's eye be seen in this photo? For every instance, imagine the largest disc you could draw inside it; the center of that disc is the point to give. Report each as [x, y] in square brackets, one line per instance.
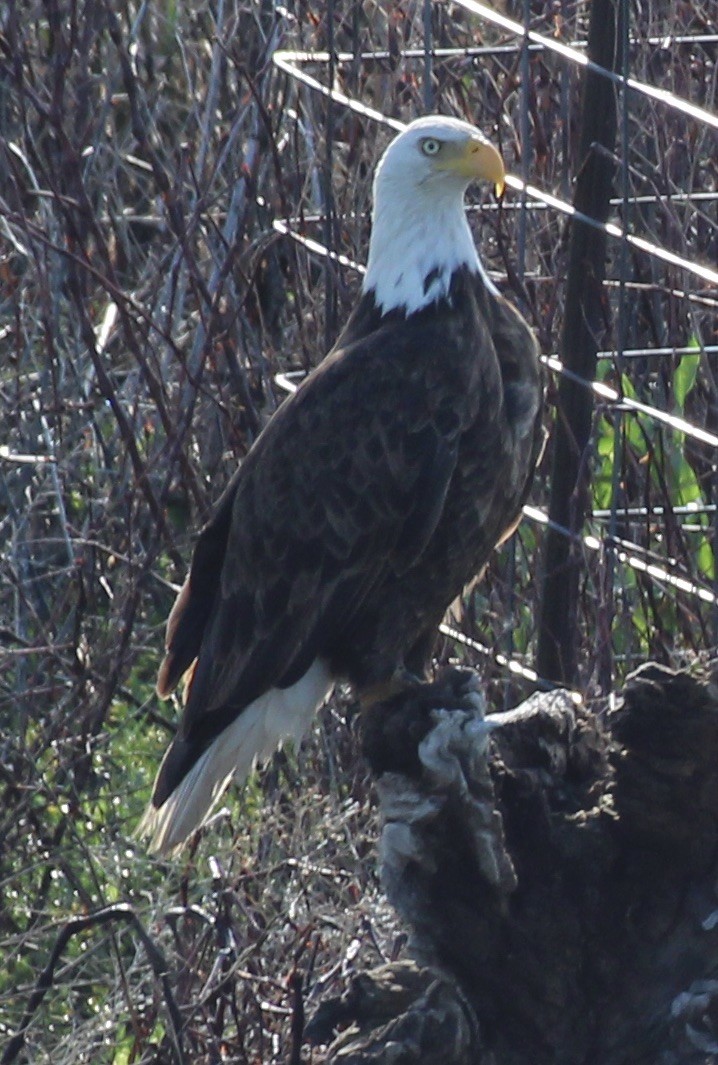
[430, 146]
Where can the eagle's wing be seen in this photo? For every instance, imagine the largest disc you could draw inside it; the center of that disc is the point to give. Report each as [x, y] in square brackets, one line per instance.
[346, 484]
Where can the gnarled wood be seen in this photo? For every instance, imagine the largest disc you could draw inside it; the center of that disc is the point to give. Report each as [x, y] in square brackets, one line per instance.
[558, 874]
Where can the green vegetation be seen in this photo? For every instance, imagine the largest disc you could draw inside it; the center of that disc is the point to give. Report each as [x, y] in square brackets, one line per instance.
[146, 304]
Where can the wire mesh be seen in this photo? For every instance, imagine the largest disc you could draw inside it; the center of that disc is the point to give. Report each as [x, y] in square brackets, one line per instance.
[184, 213]
[652, 452]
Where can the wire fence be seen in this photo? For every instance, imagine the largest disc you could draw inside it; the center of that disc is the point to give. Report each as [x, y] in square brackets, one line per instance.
[184, 215]
[663, 228]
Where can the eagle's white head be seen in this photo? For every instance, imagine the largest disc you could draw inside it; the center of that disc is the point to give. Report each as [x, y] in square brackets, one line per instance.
[420, 234]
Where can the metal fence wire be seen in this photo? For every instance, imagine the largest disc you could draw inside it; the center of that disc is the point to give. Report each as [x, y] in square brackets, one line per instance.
[184, 214]
[184, 203]
[646, 544]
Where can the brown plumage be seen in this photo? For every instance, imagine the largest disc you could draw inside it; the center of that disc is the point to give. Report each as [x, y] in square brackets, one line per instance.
[374, 494]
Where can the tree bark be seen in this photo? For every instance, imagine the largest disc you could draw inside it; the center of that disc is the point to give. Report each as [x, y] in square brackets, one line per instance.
[558, 875]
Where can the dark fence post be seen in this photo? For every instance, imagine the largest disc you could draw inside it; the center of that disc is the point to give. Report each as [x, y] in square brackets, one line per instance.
[558, 630]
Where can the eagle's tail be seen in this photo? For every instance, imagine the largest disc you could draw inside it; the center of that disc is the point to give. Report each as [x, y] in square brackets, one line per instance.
[256, 732]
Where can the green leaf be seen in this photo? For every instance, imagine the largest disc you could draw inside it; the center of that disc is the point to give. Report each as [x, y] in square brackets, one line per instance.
[706, 560]
[686, 486]
[607, 439]
[123, 1051]
[685, 377]
[627, 386]
[603, 475]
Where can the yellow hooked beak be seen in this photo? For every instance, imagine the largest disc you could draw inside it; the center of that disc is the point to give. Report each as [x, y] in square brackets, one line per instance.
[476, 159]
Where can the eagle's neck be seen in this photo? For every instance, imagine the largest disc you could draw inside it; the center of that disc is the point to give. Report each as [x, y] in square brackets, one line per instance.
[418, 241]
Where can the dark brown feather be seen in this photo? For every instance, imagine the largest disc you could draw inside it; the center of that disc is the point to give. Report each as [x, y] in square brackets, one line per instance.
[374, 494]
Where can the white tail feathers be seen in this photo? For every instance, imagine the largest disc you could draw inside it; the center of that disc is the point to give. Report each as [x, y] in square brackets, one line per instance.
[278, 715]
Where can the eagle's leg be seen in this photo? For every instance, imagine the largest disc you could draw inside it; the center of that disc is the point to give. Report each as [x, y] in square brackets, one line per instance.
[393, 672]
[401, 680]
[418, 658]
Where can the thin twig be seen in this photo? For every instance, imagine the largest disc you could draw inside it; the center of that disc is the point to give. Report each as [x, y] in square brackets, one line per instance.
[120, 912]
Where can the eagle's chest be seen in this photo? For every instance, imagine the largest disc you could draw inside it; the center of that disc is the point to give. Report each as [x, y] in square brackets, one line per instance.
[483, 500]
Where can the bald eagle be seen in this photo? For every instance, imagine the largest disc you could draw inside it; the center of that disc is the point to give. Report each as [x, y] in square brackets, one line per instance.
[374, 494]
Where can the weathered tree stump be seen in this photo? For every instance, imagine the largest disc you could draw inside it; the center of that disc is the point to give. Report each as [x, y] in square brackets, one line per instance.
[558, 874]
